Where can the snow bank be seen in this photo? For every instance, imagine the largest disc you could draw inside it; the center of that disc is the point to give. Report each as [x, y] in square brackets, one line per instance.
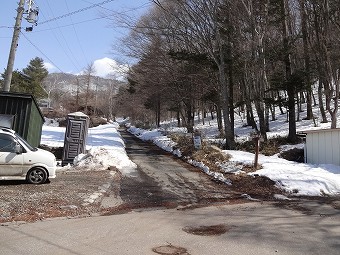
[157, 138]
[104, 144]
[296, 178]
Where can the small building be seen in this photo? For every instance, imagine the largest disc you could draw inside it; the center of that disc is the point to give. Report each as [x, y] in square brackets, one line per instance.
[21, 113]
[77, 125]
[322, 146]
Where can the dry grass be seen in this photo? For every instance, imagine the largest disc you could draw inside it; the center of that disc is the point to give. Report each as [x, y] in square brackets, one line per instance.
[295, 154]
[211, 154]
[208, 153]
[254, 185]
[268, 148]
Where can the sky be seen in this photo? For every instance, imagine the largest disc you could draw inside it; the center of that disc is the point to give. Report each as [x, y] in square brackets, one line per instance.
[106, 148]
[70, 43]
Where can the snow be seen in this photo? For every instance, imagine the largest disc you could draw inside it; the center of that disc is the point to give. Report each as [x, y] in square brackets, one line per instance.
[106, 148]
[296, 178]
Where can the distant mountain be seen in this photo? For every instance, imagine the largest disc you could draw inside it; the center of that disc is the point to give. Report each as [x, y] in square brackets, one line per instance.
[70, 83]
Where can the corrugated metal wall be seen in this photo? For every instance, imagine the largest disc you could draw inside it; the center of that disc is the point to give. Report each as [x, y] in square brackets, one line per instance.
[28, 119]
[323, 147]
[35, 126]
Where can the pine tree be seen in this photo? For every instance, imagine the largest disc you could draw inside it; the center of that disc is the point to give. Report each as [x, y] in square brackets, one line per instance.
[35, 72]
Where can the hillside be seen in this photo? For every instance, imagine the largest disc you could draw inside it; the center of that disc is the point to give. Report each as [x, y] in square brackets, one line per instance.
[69, 83]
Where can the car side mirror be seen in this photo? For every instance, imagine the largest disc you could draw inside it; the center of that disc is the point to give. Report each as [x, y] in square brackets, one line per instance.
[18, 149]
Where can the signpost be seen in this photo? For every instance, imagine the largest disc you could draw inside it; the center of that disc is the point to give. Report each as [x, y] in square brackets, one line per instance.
[197, 140]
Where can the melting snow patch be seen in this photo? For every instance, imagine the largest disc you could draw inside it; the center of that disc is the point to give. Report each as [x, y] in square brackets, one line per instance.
[100, 158]
[246, 196]
[216, 176]
[281, 197]
[230, 167]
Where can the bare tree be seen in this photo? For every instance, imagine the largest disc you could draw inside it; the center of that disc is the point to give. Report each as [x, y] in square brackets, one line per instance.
[326, 19]
[89, 72]
[194, 26]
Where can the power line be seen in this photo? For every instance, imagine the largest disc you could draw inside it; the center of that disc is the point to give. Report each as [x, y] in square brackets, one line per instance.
[80, 22]
[94, 19]
[76, 34]
[98, 6]
[75, 12]
[66, 51]
[89, 20]
[41, 52]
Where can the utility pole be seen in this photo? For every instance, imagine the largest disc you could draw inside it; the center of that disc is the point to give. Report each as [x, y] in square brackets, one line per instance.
[14, 45]
[32, 14]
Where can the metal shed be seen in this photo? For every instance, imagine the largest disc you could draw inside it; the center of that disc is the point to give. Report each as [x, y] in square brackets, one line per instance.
[75, 136]
[22, 112]
[322, 146]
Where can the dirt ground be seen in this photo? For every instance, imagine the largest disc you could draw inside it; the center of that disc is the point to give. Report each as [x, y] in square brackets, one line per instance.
[81, 194]
[67, 195]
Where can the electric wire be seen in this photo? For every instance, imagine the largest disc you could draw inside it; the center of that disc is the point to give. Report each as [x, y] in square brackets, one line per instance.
[66, 42]
[62, 47]
[88, 2]
[130, 9]
[76, 34]
[6, 37]
[94, 19]
[76, 12]
[27, 39]
[73, 24]
[68, 25]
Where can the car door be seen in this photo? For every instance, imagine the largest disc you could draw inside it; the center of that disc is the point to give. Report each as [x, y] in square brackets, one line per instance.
[11, 163]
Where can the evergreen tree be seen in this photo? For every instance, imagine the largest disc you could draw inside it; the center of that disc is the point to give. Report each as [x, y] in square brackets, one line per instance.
[19, 81]
[35, 73]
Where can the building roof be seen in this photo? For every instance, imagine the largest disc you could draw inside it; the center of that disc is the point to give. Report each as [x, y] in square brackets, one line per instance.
[318, 131]
[22, 95]
[78, 114]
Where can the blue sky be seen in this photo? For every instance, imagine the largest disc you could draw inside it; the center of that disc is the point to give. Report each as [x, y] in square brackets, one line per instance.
[72, 42]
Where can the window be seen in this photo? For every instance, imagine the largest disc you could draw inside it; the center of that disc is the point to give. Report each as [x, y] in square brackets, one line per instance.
[7, 143]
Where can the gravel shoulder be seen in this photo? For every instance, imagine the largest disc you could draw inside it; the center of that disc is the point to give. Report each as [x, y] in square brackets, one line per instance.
[72, 193]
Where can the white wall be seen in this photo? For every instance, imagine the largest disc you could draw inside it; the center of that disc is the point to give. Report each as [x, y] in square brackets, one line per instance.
[323, 147]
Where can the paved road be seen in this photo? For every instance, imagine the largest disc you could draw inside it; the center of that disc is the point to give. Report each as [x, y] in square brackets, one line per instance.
[163, 180]
[251, 229]
[307, 227]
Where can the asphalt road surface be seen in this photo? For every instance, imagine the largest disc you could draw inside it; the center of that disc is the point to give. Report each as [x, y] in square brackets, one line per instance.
[164, 180]
[175, 209]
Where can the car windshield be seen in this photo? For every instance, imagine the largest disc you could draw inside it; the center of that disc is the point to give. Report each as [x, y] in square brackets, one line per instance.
[25, 143]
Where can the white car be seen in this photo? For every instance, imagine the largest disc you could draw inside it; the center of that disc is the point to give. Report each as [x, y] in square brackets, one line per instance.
[20, 161]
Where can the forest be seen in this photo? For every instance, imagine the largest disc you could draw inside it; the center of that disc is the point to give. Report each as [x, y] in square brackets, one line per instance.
[256, 57]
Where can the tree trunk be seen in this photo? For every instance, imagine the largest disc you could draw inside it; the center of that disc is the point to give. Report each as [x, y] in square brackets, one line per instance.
[267, 117]
[280, 103]
[273, 112]
[190, 119]
[292, 137]
[321, 105]
[306, 57]
[219, 119]
[230, 141]
[250, 116]
[158, 113]
[178, 116]
[260, 109]
[298, 102]
[291, 117]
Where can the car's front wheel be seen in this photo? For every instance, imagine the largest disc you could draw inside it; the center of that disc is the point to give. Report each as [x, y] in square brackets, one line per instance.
[37, 175]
